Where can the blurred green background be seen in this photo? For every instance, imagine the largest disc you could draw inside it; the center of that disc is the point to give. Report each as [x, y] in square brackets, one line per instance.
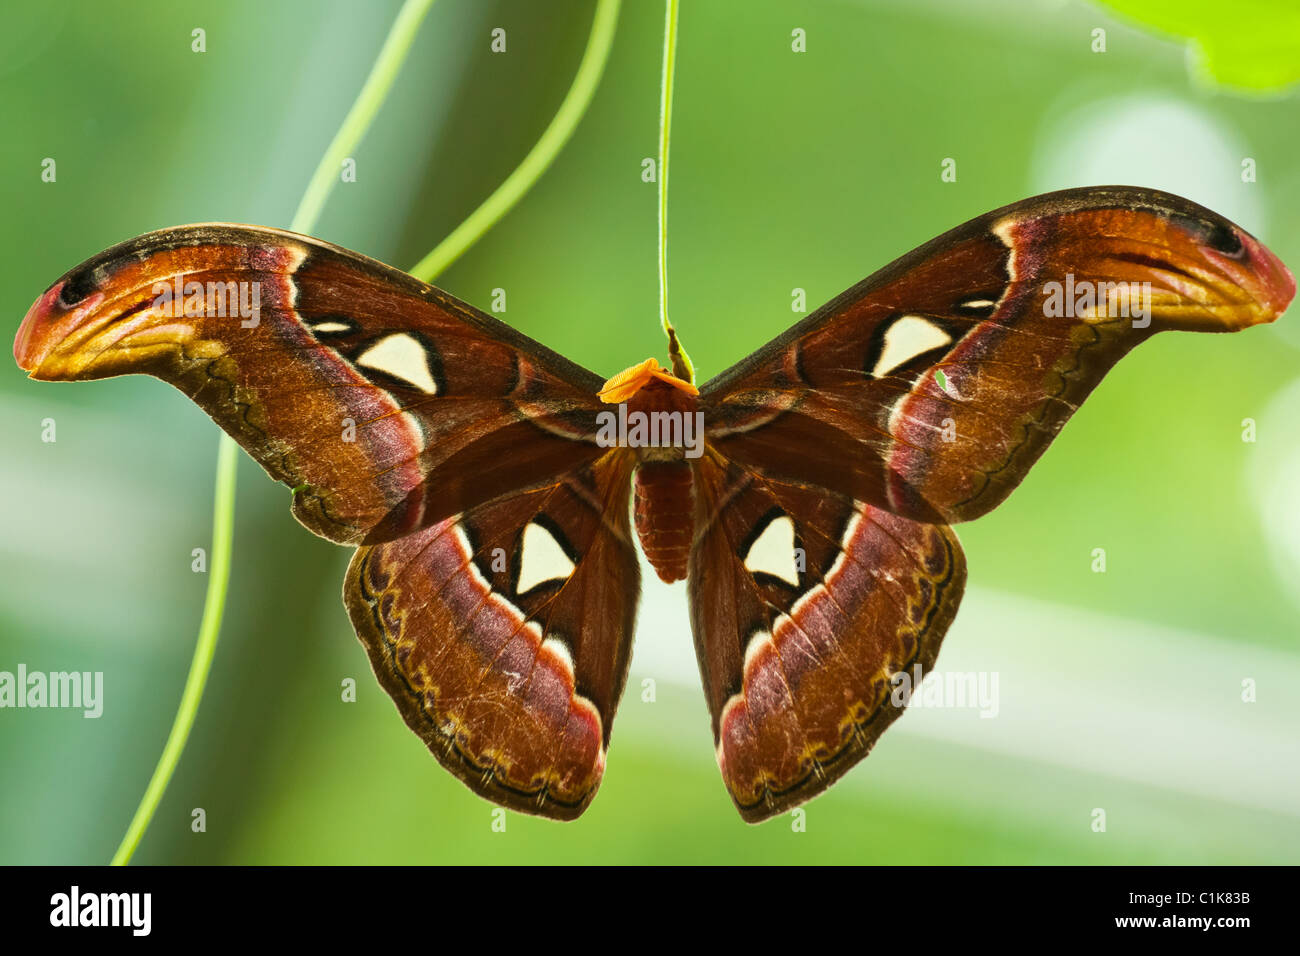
[1120, 691]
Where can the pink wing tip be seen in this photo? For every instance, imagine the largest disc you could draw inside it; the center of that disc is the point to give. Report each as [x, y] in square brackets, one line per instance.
[33, 341]
[1274, 285]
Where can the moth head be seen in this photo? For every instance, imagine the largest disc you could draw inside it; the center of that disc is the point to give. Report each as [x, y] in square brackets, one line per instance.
[1247, 263]
[139, 305]
[1225, 279]
[53, 317]
[99, 320]
[648, 375]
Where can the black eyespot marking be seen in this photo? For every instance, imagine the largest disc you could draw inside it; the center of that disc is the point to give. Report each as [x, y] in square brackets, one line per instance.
[79, 285]
[1224, 239]
[1219, 236]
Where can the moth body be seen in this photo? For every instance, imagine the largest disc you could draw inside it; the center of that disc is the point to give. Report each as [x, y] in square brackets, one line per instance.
[664, 485]
[665, 516]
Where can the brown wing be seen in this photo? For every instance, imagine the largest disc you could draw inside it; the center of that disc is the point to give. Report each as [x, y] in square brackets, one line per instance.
[504, 634]
[805, 604]
[386, 404]
[931, 387]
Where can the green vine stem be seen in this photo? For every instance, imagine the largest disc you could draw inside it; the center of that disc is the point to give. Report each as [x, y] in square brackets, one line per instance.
[354, 126]
[681, 361]
[539, 157]
[373, 93]
[223, 533]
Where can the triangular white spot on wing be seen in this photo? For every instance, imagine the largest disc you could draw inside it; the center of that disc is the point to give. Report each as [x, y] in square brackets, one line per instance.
[541, 559]
[401, 356]
[905, 339]
[773, 551]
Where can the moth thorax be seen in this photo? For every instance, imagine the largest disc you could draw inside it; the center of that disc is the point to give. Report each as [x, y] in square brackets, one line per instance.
[665, 516]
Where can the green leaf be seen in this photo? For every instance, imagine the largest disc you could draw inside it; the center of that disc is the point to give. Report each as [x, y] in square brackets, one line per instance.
[1247, 45]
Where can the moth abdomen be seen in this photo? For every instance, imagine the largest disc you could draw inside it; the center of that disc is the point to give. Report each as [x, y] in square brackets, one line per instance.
[665, 516]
